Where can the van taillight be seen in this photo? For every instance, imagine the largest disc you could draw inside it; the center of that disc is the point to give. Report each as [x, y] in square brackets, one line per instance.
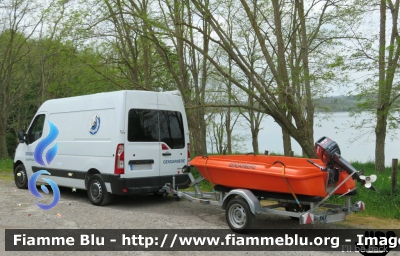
[164, 147]
[188, 150]
[119, 160]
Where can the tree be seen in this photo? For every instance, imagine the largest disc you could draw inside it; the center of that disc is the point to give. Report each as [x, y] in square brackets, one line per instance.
[387, 94]
[15, 30]
[380, 90]
[287, 99]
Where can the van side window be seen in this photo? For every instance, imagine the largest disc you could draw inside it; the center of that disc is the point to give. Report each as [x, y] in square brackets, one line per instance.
[171, 129]
[36, 129]
[143, 125]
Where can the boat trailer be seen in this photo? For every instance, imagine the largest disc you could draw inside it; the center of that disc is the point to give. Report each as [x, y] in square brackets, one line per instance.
[242, 205]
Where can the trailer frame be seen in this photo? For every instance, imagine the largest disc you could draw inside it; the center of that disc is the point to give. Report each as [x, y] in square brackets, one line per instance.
[242, 205]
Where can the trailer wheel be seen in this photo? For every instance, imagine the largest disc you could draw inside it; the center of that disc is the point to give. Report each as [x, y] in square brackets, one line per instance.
[97, 191]
[238, 215]
[20, 177]
[296, 208]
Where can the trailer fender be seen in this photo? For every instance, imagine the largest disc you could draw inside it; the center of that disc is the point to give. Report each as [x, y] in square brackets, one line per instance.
[251, 199]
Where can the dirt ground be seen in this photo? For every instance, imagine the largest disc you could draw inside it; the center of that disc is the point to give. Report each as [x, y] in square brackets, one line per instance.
[74, 211]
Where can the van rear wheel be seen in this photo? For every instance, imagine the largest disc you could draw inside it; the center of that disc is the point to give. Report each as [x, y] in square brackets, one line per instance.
[20, 177]
[97, 191]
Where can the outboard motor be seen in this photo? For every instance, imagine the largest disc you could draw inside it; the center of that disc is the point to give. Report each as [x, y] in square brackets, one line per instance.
[328, 152]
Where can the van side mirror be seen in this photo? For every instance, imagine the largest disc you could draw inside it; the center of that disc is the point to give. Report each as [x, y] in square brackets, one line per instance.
[21, 136]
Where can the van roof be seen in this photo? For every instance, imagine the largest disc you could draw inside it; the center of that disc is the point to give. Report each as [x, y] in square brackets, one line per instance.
[103, 99]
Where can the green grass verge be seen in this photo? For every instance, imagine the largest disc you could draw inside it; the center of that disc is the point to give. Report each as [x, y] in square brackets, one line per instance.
[6, 165]
[381, 203]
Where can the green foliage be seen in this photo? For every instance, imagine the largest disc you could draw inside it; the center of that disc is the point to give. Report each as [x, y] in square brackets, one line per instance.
[12, 143]
[205, 185]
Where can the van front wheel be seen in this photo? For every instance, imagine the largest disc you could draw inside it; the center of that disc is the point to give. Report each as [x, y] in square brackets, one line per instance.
[97, 191]
[20, 177]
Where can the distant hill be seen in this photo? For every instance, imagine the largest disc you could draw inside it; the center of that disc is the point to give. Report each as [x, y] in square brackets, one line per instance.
[335, 104]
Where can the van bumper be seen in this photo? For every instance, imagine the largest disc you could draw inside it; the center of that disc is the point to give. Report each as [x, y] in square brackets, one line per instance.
[131, 186]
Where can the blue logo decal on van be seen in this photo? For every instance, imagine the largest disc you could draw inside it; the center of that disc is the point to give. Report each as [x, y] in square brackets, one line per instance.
[43, 144]
[38, 156]
[94, 124]
[35, 192]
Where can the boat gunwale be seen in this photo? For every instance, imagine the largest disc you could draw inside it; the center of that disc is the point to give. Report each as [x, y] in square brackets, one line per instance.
[263, 172]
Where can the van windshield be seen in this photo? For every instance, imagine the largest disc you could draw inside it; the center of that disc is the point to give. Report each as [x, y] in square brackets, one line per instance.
[36, 129]
[147, 125]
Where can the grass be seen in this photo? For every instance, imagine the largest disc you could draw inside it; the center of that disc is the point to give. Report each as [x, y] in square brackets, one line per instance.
[6, 167]
[382, 202]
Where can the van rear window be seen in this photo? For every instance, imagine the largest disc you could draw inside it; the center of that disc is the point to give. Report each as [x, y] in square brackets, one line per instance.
[171, 129]
[147, 125]
[143, 125]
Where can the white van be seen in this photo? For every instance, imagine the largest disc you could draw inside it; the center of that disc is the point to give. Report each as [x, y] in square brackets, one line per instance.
[123, 142]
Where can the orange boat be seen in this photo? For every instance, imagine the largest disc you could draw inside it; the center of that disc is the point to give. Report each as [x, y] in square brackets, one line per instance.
[278, 174]
[270, 173]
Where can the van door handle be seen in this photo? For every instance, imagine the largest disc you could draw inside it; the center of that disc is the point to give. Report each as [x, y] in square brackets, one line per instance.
[166, 154]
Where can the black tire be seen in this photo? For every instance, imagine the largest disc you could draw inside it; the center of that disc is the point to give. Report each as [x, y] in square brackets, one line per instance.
[238, 215]
[296, 208]
[97, 191]
[20, 177]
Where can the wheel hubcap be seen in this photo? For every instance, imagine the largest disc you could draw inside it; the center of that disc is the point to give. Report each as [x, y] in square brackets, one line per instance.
[21, 177]
[237, 216]
[95, 189]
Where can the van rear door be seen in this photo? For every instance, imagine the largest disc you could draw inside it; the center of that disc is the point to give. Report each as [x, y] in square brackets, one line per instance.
[142, 146]
[172, 134]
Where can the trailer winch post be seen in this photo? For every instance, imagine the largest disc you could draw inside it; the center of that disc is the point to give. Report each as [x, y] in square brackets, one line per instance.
[330, 194]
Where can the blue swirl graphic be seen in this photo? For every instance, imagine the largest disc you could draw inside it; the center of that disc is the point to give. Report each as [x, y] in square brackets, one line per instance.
[35, 192]
[51, 153]
[43, 144]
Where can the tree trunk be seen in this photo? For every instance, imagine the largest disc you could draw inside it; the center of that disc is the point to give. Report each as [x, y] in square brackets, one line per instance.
[202, 132]
[381, 114]
[287, 145]
[254, 141]
[380, 132]
[3, 133]
[309, 126]
[195, 144]
[228, 126]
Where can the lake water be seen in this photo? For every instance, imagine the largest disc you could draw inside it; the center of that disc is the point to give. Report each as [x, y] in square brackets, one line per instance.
[337, 127]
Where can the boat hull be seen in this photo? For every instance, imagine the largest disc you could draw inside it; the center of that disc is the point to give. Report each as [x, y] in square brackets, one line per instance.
[266, 173]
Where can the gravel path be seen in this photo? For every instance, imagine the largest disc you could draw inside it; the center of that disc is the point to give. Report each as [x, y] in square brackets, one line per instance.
[75, 211]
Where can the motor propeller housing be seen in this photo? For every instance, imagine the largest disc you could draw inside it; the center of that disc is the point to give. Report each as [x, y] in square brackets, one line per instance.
[328, 152]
